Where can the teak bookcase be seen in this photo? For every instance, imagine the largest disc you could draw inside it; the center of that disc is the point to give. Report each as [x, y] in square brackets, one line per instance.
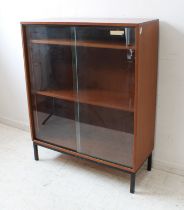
[91, 87]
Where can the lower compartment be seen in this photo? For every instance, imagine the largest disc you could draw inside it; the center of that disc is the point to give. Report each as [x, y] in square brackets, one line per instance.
[99, 142]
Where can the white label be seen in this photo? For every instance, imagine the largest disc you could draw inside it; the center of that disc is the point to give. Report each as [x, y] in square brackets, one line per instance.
[116, 33]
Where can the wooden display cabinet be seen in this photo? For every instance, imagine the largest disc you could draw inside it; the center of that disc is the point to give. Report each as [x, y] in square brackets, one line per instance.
[91, 87]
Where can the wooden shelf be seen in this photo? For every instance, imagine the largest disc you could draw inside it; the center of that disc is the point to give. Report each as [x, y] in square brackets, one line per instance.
[95, 44]
[94, 97]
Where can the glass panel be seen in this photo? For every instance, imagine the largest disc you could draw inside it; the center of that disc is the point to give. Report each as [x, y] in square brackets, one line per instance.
[50, 50]
[105, 69]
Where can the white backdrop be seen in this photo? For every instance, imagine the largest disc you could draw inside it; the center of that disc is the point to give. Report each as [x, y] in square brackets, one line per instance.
[169, 146]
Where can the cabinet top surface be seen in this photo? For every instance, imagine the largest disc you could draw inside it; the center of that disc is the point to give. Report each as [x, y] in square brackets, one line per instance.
[90, 21]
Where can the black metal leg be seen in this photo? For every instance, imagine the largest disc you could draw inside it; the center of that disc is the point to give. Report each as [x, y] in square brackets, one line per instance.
[35, 147]
[132, 183]
[149, 166]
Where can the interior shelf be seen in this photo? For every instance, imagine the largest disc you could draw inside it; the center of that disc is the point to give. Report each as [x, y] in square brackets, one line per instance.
[101, 98]
[95, 44]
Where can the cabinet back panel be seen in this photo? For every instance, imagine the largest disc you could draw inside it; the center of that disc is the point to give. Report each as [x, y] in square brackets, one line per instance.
[105, 69]
[51, 67]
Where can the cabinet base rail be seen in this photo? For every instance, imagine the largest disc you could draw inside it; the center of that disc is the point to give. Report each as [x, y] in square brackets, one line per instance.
[132, 174]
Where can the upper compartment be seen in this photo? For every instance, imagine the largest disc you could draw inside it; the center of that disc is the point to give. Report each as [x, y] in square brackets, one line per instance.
[103, 56]
[102, 37]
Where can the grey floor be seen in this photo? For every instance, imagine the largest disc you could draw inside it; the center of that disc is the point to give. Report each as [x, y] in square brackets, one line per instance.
[62, 182]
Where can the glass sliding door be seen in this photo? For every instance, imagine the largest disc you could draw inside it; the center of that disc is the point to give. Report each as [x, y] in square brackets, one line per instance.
[105, 74]
[82, 88]
[51, 56]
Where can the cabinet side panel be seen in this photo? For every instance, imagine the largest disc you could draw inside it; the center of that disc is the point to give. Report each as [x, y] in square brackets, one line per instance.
[146, 91]
[28, 87]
